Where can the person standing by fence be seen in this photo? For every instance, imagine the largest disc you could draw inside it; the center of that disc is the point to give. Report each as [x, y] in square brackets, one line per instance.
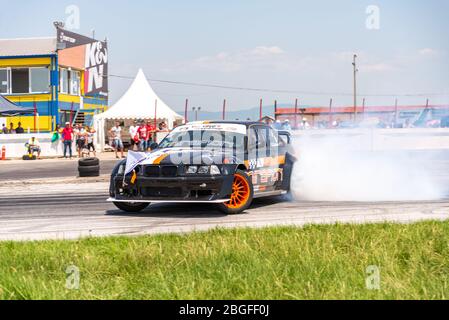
[117, 139]
[143, 136]
[67, 138]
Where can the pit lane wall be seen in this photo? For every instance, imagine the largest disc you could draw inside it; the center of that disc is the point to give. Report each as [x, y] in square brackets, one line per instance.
[380, 139]
[15, 144]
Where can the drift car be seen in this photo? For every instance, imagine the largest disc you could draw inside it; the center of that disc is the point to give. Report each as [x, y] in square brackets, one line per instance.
[226, 163]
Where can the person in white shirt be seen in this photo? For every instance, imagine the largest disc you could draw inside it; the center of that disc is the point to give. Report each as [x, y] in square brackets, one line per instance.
[117, 139]
[90, 141]
[34, 146]
[134, 136]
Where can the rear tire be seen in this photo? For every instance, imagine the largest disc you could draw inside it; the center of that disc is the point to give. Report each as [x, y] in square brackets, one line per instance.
[242, 194]
[131, 206]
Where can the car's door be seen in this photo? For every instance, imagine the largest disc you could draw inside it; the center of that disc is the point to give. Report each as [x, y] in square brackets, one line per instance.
[265, 162]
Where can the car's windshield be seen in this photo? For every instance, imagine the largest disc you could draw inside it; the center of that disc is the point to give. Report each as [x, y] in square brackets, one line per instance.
[203, 139]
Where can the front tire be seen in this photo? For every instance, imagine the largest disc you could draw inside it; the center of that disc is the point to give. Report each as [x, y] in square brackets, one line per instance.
[242, 194]
[131, 206]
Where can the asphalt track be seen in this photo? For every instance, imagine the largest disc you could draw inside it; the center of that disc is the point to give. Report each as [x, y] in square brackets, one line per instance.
[64, 214]
[69, 210]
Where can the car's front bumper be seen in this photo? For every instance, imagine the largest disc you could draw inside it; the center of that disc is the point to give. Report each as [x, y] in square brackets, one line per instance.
[172, 189]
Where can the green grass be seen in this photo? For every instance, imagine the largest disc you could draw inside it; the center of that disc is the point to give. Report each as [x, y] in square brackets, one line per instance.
[315, 262]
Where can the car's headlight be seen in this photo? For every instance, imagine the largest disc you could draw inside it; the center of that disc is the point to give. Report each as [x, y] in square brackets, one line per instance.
[214, 170]
[203, 170]
[192, 169]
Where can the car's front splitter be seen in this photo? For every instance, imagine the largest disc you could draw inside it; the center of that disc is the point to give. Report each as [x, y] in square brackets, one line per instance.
[168, 201]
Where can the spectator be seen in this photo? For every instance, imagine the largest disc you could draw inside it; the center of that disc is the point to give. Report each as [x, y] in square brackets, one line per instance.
[55, 137]
[117, 142]
[4, 129]
[286, 125]
[151, 129]
[67, 138]
[143, 136]
[163, 126]
[90, 132]
[134, 136]
[19, 128]
[11, 128]
[269, 121]
[277, 125]
[80, 139]
[34, 146]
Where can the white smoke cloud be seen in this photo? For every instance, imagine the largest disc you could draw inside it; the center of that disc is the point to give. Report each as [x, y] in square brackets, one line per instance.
[335, 168]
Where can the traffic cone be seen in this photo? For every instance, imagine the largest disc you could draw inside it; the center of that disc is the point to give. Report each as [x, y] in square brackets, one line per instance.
[3, 153]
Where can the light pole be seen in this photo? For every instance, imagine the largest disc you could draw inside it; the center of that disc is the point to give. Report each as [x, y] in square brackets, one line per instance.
[354, 64]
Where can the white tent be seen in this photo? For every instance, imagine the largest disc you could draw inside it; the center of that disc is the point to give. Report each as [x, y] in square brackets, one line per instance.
[139, 102]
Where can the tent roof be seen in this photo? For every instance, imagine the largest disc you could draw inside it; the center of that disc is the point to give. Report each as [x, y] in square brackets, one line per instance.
[139, 103]
[7, 108]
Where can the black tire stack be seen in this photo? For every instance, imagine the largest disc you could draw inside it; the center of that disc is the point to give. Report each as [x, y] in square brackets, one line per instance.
[89, 167]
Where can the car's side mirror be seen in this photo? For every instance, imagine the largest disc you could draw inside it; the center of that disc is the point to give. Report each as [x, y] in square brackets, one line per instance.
[153, 146]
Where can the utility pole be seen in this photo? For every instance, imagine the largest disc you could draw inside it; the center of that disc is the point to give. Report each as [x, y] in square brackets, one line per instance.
[354, 64]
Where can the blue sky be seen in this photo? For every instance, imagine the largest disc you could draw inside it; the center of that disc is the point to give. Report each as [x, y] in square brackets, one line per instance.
[303, 46]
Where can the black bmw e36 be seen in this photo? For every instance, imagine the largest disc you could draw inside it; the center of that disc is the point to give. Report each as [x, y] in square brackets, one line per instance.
[227, 163]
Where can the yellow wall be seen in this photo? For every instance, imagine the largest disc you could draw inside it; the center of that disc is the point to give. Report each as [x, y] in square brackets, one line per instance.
[68, 98]
[25, 62]
[29, 97]
[43, 122]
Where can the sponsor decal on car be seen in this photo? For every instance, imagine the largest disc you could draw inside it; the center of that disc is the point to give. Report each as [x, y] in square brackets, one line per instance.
[206, 126]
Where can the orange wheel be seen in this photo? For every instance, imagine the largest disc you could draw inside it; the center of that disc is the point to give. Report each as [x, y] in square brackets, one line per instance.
[242, 194]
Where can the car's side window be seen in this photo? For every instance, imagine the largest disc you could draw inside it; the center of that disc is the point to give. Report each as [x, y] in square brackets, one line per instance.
[252, 139]
[273, 140]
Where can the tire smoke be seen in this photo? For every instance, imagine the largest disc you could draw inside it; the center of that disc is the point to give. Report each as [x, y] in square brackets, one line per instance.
[338, 168]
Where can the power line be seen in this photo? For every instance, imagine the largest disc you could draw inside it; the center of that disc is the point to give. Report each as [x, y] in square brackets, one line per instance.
[313, 93]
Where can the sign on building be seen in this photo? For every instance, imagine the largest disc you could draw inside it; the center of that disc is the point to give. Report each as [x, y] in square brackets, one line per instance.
[79, 51]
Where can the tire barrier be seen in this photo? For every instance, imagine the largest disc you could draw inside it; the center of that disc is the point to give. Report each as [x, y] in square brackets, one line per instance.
[89, 167]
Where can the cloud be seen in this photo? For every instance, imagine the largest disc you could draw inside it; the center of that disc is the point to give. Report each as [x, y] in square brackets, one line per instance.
[377, 67]
[428, 52]
[261, 56]
[262, 50]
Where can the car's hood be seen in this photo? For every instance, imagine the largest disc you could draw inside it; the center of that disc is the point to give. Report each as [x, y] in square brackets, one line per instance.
[180, 156]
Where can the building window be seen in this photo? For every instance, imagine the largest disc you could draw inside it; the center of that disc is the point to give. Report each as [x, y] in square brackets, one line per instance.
[20, 79]
[75, 83]
[39, 80]
[4, 83]
[64, 81]
[69, 82]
